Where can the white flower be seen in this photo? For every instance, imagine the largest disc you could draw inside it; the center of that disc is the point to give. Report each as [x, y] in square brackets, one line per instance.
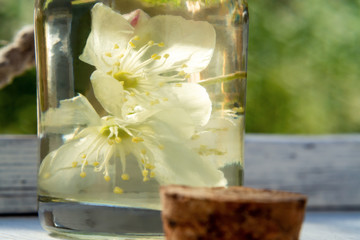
[107, 145]
[149, 60]
[219, 141]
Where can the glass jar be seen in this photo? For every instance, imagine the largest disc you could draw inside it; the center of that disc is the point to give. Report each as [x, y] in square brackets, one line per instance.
[134, 94]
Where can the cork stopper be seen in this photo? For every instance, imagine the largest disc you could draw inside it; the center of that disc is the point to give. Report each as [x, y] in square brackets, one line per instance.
[191, 213]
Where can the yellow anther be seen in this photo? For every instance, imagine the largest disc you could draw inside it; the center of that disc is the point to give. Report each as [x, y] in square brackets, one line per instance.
[143, 151]
[165, 99]
[117, 64]
[151, 42]
[74, 164]
[149, 166]
[82, 174]
[102, 130]
[178, 85]
[125, 100]
[136, 38]
[107, 178]
[187, 76]
[143, 161]
[110, 142]
[116, 46]
[145, 173]
[181, 73]
[132, 94]
[46, 175]
[95, 164]
[83, 155]
[125, 177]
[238, 109]
[155, 56]
[145, 179]
[161, 44]
[121, 55]
[154, 102]
[184, 65]
[137, 139]
[85, 162]
[195, 136]
[147, 93]
[109, 72]
[166, 55]
[161, 84]
[108, 54]
[118, 140]
[118, 190]
[152, 174]
[161, 147]
[132, 44]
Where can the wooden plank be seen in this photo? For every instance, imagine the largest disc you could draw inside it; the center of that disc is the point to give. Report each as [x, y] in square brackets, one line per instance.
[331, 226]
[18, 168]
[326, 168]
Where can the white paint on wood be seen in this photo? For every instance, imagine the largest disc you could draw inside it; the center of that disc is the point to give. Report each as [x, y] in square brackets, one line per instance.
[22, 228]
[326, 168]
[18, 168]
[331, 226]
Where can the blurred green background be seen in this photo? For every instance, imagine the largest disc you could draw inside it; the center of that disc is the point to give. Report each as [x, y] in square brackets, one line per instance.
[302, 68]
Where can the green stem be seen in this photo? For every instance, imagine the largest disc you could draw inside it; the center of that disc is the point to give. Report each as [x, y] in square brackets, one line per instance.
[225, 78]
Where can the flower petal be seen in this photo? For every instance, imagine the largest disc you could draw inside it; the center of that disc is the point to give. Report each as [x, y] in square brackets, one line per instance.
[174, 123]
[219, 140]
[191, 97]
[58, 176]
[137, 17]
[177, 164]
[187, 42]
[108, 91]
[71, 113]
[108, 27]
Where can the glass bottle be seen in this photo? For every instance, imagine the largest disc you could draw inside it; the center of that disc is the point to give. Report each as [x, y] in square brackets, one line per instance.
[134, 94]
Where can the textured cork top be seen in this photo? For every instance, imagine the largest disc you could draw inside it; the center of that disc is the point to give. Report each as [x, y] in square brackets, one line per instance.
[231, 194]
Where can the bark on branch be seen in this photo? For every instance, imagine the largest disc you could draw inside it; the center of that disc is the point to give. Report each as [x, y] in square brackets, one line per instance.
[17, 56]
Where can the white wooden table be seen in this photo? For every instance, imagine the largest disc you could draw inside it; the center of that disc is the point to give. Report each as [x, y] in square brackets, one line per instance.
[317, 226]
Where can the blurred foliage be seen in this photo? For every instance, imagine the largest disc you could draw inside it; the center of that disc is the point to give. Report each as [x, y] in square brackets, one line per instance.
[302, 68]
[303, 74]
[18, 105]
[18, 100]
[13, 15]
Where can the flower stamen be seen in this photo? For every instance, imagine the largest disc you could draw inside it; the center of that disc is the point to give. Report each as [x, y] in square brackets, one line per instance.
[107, 178]
[137, 139]
[132, 44]
[154, 102]
[118, 190]
[125, 177]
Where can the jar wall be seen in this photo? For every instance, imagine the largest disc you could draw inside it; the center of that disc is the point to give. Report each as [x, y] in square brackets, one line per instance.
[134, 95]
